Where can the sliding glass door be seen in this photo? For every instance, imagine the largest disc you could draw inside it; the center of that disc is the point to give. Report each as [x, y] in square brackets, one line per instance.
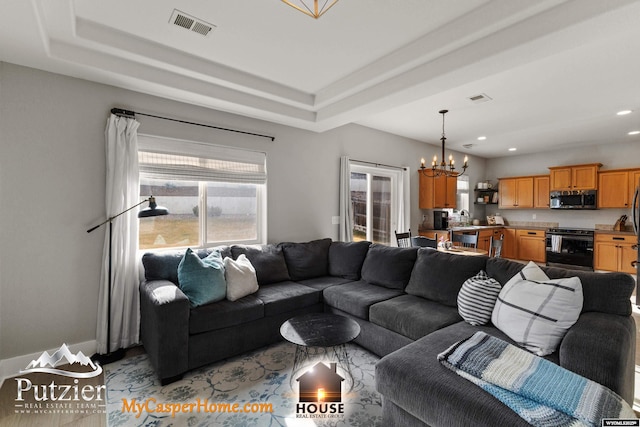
[375, 201]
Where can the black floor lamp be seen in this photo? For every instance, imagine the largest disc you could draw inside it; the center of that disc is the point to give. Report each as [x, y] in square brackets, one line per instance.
[152, 210]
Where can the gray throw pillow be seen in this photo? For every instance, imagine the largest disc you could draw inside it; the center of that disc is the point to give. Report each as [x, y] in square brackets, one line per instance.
[388, 266]
[268, 260]
[346, 259]
[438, 276]
[307, 260]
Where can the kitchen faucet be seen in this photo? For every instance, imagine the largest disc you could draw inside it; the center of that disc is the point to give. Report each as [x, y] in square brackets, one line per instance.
[465, 216]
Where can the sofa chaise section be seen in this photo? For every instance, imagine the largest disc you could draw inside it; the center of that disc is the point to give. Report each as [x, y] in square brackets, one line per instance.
[418, 391]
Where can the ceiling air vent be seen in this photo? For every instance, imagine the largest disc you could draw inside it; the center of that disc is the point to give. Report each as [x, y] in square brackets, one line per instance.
[468, 146]
[480, 98]
[191, 23]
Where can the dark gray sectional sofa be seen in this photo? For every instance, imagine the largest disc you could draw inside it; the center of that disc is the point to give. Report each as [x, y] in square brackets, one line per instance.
[405, 302]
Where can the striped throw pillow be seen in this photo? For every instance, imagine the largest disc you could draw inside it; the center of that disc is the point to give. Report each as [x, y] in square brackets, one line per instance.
[477, 298]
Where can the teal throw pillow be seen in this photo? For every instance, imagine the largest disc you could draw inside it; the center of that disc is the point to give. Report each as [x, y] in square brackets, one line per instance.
[202, 280]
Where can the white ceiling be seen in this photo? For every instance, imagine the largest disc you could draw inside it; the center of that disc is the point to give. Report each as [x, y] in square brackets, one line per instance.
[557, 71]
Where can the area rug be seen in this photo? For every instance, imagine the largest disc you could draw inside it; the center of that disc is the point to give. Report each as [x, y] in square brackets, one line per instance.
[255, 383]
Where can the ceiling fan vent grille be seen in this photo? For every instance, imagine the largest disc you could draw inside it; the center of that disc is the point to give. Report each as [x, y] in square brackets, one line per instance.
[191, 23]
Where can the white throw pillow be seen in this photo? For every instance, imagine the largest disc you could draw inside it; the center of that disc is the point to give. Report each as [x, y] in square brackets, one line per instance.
[241, 277]
[536, 311]
[477, 297]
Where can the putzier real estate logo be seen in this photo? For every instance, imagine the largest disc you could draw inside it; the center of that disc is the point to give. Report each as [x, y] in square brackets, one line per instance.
[320, 392]
[69, 385]
[47, 363]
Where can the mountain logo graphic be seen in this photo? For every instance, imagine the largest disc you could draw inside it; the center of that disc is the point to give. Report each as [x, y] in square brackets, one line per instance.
[47, 363]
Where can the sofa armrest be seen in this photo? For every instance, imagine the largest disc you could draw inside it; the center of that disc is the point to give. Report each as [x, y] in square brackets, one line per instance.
[164, 327]
[602, 347]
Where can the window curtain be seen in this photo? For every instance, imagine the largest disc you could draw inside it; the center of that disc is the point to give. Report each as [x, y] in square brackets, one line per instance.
[122, 192]
[404, 197]
[346, 210]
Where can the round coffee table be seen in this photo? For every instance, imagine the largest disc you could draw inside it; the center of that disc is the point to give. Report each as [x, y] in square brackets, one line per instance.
[320, 336]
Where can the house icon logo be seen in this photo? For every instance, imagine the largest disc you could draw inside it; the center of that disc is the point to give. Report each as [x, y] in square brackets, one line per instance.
[81, 365]
[320, 392]
[321, 383]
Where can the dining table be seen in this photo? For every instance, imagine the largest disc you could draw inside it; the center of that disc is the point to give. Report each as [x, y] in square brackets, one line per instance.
[461, 250]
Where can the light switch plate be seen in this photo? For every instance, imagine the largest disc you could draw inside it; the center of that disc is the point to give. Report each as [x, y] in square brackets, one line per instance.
[335, 220]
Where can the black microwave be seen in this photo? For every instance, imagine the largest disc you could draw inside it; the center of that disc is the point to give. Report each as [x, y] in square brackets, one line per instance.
[574, 199]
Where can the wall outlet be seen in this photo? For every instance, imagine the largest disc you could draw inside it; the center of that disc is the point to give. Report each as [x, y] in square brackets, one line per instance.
[534, 216]
[335, 220]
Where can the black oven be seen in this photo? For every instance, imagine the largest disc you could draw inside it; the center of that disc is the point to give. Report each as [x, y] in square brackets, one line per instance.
[570, 248]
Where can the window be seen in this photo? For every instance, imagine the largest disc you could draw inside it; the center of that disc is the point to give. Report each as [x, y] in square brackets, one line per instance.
[376, 198]
[215, 195]
[463, 193]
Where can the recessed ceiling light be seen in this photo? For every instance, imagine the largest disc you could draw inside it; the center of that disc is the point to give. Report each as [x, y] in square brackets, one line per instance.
[624, 112]
[482, 138]
[634, 132]
[512, 149]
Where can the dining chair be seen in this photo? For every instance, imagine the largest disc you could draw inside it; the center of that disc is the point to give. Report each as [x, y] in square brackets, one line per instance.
[403, 239]
[465, 240]
[424, 242]
[495, 248]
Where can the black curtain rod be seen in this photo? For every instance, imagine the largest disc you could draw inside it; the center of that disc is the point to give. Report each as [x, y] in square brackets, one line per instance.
[132, 114]
[379, 164]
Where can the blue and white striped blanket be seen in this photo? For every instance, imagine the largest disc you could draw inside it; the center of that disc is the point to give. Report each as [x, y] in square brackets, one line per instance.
[541, 392]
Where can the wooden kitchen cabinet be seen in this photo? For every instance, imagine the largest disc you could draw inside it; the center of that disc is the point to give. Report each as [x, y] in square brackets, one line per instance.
[577, 177]
[484, 239]
[438, 192]
[615, 252]
[515, 192]
[541, 191]
[617, 187]
[531, 245]
[613, 189]
[509, 244]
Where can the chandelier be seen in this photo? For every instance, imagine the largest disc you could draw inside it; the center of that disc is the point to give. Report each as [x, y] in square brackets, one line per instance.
[313, 8]
[443, 168]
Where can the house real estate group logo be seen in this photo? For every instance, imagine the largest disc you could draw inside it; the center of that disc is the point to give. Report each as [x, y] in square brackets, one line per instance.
[320, 392]
[60, 383]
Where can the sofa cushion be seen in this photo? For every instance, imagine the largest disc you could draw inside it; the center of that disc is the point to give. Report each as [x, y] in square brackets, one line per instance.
[202, 280]
[355, 298]
[307, 260]
[225, 313]
[477, 297]
[346, 259]
[602, 292]
[240, 276]
[321, 283]
[286, 296]
[388, 266]
[438, 276]
[164, 265]
[268, 260]
[536, 311]
[412, 316]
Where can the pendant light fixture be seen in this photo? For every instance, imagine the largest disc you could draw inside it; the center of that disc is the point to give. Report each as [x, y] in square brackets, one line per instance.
[443, 168]
[312, 8]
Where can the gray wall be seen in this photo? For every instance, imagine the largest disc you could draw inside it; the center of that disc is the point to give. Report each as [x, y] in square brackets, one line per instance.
[52, 180]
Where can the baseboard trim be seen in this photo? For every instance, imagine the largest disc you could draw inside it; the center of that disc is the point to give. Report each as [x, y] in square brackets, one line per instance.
[11, 367]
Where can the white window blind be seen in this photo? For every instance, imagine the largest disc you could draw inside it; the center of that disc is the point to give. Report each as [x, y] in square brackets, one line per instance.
[162, 158]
